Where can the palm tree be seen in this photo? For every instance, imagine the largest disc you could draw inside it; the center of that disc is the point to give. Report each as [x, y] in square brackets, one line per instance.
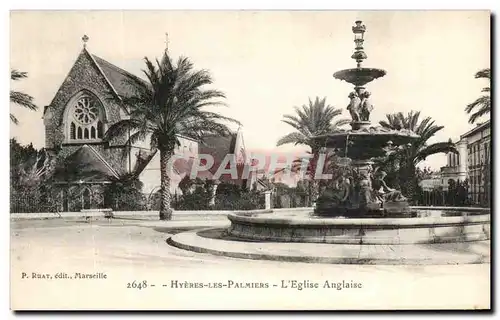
[311, 120]
[20, 98]
[168, 106]
[482, 105]
[411, 155]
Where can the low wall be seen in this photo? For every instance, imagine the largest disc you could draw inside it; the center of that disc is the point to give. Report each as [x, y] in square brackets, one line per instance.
[370, 231]
[45, 215]
[470, 209]
[100, 213]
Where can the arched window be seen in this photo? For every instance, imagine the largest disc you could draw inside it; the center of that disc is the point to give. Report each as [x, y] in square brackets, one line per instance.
[99, 129]
[86, 119]
[73, 131]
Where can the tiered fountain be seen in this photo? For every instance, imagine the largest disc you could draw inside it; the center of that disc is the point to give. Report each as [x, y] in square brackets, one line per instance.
[364, 192]
[361, 208]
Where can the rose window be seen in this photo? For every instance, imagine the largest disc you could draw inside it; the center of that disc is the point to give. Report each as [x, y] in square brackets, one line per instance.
[86, 111]
[86, 123]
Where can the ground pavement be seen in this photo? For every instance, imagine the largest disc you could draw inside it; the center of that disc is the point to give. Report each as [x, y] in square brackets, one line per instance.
[143, 272]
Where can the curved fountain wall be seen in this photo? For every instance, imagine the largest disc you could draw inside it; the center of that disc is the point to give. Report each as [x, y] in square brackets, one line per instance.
[300, 227]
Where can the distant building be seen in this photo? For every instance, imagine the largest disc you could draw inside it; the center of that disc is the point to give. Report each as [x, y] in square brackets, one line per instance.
[435, 182]
[478, 161]
[456, 164]
[472, 162]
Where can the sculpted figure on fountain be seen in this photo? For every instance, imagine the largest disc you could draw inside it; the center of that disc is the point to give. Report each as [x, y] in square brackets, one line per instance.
[366, 106]
[383, 192]
[342, 189]
[354, 106]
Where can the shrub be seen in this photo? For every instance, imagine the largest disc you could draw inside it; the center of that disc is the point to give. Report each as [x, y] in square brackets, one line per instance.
[234, 197]
[228, 197]
[197, 199]
[125, 194]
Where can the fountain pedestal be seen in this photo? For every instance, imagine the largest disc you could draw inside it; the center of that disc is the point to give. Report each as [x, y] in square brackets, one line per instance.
[356, 196]
[356, 125]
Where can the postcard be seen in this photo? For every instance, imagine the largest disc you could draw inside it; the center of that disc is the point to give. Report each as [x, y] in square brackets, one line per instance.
[250, 160]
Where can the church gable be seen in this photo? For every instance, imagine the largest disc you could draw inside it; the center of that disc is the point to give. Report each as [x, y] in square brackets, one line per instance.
[86, 86]
[84, 165]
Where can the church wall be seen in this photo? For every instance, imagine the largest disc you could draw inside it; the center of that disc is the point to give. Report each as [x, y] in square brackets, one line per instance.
[84, 75]
[150, 176]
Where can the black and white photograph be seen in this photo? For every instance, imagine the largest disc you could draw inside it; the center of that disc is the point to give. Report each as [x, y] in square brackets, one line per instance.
[250, 160]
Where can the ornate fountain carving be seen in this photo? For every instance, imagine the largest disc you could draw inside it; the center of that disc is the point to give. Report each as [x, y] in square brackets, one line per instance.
[364, 192]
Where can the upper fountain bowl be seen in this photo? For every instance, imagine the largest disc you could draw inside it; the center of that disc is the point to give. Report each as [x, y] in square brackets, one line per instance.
[359, 76]
[366, 143]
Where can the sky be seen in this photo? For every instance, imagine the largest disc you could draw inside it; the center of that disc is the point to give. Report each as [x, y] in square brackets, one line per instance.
[267, 62]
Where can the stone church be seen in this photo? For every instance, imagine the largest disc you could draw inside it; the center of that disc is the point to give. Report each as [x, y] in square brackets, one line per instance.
[86, 104]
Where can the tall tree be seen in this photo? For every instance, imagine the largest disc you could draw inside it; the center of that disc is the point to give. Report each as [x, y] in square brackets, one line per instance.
[311, 120]
[404, 162]
[20, 98]
[481, 105]
[170, 105]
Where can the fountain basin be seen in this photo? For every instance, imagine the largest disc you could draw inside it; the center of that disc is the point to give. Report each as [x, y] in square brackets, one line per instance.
[359, 76]
[428, 225]
[365, 143]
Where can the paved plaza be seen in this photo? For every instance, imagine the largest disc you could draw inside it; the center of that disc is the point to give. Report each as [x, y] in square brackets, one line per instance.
[132, 251]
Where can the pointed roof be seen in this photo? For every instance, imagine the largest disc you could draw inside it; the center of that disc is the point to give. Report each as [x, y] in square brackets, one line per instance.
[85, 164]
[218, 146]
[120, 80]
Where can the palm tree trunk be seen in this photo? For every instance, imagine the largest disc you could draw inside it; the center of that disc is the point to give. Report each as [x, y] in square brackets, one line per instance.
[165, 197]
[314, 186]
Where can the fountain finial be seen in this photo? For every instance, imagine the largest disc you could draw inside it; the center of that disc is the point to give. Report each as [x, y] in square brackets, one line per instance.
[359, 31]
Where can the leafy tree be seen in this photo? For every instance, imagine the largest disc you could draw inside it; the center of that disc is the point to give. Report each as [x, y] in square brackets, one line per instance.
[231, 196]
[481, 105]
[125, 193]
[19, 153]
[18, 97]
[316, 118]
[198, 198]
[30, 174]
[402, 165]
[172, 104]
[424, 173]
[186, 184]
[29, 166]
